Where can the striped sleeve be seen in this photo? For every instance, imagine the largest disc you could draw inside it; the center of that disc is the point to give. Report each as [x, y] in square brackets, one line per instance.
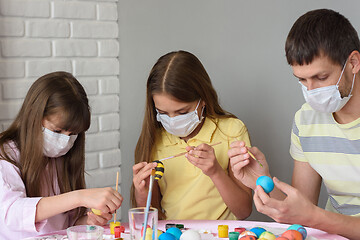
[296, 150]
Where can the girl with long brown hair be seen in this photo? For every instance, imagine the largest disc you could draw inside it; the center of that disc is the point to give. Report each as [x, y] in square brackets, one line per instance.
[42, 163]
[183, 114]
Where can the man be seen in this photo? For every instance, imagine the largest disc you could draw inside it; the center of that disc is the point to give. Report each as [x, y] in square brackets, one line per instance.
[323, 50]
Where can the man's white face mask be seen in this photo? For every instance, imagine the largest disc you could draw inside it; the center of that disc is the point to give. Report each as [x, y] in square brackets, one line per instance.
[327, 99]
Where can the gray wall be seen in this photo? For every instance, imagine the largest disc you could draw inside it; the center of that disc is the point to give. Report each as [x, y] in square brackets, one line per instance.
[241, 44]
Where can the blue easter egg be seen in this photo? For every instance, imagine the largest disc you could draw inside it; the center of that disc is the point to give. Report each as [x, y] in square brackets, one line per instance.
[175, 231]
[299, 228]
[266, 183]
[258, 231]
[167, 236]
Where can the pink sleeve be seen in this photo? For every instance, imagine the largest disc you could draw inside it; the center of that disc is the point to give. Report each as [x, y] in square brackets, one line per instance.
[17, 210]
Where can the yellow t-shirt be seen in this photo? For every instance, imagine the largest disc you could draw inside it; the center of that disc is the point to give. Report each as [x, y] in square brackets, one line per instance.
[187, 193]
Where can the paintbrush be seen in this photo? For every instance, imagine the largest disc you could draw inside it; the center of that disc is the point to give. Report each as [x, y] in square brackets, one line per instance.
[252, 155]
[117, 183]
[183, 153]
[148, 202]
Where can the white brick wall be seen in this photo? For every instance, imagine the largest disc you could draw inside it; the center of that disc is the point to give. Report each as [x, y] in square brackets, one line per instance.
[77, 36]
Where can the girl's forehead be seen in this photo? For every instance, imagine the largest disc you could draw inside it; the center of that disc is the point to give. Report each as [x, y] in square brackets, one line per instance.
[167, 102]
[165, 97]
[55, 119]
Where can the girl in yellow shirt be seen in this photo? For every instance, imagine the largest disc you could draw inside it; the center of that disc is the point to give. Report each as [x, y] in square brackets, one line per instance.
[183, 114]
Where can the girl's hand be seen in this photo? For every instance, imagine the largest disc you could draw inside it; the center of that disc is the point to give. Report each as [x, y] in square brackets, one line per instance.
[100, 220]
[141, 177]
[93, 219]
[245, 168]
[107, 200]
[203, 157]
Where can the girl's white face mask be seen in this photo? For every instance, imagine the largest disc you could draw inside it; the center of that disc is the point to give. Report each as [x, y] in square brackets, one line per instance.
[182, 125]
[326, 99]
[57, 144]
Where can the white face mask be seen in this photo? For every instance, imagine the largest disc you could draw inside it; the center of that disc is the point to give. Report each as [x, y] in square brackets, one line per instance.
[57, 144]
[326, 99]
[182, 125]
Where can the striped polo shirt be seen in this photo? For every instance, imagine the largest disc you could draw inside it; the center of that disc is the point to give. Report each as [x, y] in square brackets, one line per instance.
[333, 150]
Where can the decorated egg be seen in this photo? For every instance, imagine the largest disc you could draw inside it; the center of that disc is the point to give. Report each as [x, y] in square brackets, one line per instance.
[248, 237]
[300, 229]
[281, 238]
[167, 236]
[96, 211]
[147, 228]
[175, 231]
[292, 235]
[266, 183]
[159, 232]
[159, 170]
[246, 233]
[149, 234]
[267, 235]
[190, 235]
[258, 231]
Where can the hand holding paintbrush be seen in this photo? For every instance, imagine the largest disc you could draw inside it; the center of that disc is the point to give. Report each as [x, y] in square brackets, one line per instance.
[183, 153]
[252, 155]
[247, 164]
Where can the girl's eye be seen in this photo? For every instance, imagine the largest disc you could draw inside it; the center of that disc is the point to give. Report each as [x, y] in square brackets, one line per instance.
[57, 131]
[182, 113]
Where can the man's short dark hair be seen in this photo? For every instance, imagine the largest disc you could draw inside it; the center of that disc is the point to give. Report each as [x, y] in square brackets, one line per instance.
[321, 31]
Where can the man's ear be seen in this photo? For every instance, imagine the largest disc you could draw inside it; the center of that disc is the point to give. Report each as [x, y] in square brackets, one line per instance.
[355, 61]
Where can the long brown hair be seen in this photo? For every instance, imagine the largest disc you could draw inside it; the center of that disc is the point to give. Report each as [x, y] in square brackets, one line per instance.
[57, 92]
[181, 75]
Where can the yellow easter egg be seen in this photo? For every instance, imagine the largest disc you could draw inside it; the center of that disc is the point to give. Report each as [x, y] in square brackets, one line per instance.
[149, 233]
[267, 235]
[96, 211]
